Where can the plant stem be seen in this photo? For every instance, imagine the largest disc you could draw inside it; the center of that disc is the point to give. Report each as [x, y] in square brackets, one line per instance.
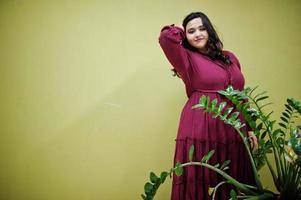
[216, 187]
[276, 155]
[272, 173]
[256, 176]
[242, 187]
[262, 197]
[298, 176]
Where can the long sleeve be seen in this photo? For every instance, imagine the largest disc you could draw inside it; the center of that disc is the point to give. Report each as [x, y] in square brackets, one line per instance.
[170, 41]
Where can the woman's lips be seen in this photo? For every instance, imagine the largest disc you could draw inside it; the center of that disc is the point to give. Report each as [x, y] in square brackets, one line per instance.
[198, 40]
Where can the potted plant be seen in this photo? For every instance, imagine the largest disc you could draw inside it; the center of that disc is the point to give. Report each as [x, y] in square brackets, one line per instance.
[281, 139]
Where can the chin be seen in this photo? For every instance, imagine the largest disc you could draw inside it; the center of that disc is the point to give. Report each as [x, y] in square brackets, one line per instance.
[199, 47]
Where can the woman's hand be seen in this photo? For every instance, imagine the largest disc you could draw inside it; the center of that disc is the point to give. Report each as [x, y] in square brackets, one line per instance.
[180, 26]
[253, 140]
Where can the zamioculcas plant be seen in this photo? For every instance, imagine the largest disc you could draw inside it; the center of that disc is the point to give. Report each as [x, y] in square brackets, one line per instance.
[283, 143]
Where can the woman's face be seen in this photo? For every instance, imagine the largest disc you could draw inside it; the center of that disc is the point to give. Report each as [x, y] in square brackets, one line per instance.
[197, 35]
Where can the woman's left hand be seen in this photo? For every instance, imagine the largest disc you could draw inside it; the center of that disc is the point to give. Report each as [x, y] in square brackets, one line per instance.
[253, 140]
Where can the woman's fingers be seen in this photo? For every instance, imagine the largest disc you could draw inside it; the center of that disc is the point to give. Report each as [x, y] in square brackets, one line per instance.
[253, 141]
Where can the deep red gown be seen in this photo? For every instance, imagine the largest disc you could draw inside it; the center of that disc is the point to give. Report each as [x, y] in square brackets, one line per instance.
[203, 76]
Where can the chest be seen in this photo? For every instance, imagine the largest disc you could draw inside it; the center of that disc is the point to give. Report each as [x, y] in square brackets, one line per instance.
[208, 74]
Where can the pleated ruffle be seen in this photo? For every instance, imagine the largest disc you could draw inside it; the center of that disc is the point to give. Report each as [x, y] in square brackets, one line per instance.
[196, 180]
[206, 133]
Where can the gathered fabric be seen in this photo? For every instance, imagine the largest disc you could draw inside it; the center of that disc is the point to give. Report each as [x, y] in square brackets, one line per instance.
[204, 76]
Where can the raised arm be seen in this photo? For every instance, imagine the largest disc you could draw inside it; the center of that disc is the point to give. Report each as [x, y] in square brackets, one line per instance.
[171, 42]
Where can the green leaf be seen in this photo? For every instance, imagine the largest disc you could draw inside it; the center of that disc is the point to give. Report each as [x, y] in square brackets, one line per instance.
[246, 107]
[143, 196]
[268, 116]
[222, 92]
[197, 106]
[284, 119]
[158, 183]
[295, 143]
[282, 125]
[290, 102]
[233, 195]
[178, 169]
[225, 168]
[225, 164]
[288, 107]
[260, 94]
[238, 124]
[295, 132]
[229, 88]
[264, 105]
[203, 101]
[221, 107]
[207, 101]
[148, 188]
[207, 107]
[213, 103]
[286, 115]
[298, 161]
[297, 149]
[263, 135]
[252, 124]
[261, 98]
[234, 116]
[257, 133]
[216, 165]
[234, 101]
[227, 112]
[294, 104]
[247, 90]
[153, 177]
[259, 127]
[211, 190]
[280, 141]
[163, 176]
[289, 112]
[277, 132]
[239, 106]
[253, 89]
[191, 151]
[292, 142]
[208, 156]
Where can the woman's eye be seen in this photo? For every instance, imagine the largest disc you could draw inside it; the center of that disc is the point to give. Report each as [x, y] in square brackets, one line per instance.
[202, 29]
[190, 32]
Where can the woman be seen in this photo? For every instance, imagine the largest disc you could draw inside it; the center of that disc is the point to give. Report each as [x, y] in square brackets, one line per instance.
[198, 59]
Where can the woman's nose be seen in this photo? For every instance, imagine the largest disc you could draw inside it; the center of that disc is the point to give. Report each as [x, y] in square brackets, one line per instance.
[198, 33]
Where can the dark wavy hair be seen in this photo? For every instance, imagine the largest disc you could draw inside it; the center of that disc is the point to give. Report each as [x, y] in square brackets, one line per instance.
[214, 44]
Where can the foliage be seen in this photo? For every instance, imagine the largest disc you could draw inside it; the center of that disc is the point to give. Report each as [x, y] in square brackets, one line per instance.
[283, 142]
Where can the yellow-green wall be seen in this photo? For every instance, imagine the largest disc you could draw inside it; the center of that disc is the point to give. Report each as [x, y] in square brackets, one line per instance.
[88, 104]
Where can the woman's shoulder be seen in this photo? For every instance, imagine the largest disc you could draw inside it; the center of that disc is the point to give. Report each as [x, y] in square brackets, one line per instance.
[228, 53]
[231, 55]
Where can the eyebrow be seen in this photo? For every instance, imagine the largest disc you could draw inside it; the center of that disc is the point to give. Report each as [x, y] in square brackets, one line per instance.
[202, 26]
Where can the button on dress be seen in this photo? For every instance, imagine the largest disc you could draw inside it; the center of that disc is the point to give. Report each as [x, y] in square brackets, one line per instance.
[204, 76]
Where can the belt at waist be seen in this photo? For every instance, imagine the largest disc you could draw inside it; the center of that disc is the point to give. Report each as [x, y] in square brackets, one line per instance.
[210, 91]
